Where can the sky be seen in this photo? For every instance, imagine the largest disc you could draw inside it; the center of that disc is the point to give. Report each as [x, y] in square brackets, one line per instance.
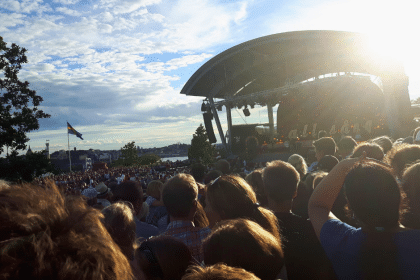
[114, 69]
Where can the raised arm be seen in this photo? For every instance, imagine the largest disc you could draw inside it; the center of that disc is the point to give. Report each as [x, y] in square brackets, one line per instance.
[325, 194]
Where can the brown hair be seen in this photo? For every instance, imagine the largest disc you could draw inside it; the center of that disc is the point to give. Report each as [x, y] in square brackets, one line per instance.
[346, 144]
[218, 271]
[280, 181]
[232, 197]
[255, 180]
[385, 142]
[200, 218]
[411, 187]
[374, 197]
[179, 195]
[129, 191]
[372, 150]
[119, 221]
[164, 258]
[326, 145]
[233, 242]
[46, 235]
[400, 156]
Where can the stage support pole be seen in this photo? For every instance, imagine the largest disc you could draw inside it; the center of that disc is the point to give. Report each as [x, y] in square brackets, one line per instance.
[229, 120]
[219, 126]
[271, 122]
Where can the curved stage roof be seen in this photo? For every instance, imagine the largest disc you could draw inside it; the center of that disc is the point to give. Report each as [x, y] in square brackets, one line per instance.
[277, 60]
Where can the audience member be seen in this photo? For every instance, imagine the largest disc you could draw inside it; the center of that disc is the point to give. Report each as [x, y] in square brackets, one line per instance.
[46, 235]
[254, 179]
[155, 202]
[245, 244]
[323, 147]
[231, 197]
[103, 195]
[299, 163]
[372, 150]
[327, 163]
[162, 258]
[131, 192]
[400, 156]
[304, 257]
[223, 166]
[411, 187]
[381, 248]
[180, 195]
[345, 147]
[119, 221]
[385, 142]
[218, 271]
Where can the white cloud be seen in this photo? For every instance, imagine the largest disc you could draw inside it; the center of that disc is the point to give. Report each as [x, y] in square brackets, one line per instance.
[68, 11]
[127, 6]
[25, 6]
[66, 2]
[10, 20]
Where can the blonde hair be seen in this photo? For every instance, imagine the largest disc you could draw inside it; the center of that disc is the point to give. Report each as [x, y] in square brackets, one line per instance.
[299, 163]
[218, 271]
[119, 221]
[154, 188]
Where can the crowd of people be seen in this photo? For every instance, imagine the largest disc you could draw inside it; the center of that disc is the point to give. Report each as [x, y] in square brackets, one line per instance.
[346, 210]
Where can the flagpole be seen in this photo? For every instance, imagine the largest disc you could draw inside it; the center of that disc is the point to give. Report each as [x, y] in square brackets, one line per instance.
[68, 142]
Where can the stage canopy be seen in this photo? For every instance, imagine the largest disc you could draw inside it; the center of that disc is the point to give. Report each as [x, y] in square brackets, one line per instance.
[283, 59]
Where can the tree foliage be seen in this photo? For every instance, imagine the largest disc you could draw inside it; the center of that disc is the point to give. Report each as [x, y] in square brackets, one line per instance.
[19, 111]
[148, 159]
[129, 153]
[27, 167]
[201, 149]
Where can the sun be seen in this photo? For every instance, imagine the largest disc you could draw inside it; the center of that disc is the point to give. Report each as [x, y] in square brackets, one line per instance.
[388, 47]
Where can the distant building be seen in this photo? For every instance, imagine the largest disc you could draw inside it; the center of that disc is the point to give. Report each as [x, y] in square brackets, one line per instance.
[29, 152]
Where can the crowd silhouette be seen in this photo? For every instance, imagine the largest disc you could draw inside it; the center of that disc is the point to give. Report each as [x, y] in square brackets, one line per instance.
[347, 210]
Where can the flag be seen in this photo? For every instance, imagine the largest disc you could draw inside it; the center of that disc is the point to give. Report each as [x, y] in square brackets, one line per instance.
[73, 131]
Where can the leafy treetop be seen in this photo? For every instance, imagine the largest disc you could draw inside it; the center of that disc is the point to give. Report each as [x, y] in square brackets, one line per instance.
[17, 115]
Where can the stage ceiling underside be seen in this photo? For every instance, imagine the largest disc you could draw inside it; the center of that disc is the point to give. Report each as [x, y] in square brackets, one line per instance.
[281, 59]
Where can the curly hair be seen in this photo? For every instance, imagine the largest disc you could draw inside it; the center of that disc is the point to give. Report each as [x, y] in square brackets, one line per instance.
[46, 235]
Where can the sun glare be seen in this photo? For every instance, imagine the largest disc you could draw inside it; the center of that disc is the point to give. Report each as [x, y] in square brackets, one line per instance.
[388, 47]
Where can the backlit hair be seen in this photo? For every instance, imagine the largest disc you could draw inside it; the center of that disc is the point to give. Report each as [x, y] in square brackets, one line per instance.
[401, 156]
[46, 235]
[153, 188]
[299, 164]
[232, 197]
[179, 194]
[218, 271]
[372, 150]
[245, 244]
[280, 181]
[119, 221]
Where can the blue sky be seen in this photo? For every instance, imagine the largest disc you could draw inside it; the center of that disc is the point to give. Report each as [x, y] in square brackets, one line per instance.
[114, 68]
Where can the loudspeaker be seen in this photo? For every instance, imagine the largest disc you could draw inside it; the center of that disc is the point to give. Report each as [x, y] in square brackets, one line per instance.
[209, 127]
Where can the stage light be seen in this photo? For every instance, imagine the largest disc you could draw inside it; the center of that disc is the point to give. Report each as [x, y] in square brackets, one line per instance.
[203, 107]
[252, 105]
[219, 108]
[246, 112]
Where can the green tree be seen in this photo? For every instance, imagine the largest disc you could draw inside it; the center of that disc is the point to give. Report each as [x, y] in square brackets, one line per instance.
[129, 153]
[19, 111]
[26, 167]
[201, 149]
[148, 159]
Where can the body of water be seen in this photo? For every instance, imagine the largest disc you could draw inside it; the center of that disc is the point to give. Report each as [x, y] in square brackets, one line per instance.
[173, 159]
